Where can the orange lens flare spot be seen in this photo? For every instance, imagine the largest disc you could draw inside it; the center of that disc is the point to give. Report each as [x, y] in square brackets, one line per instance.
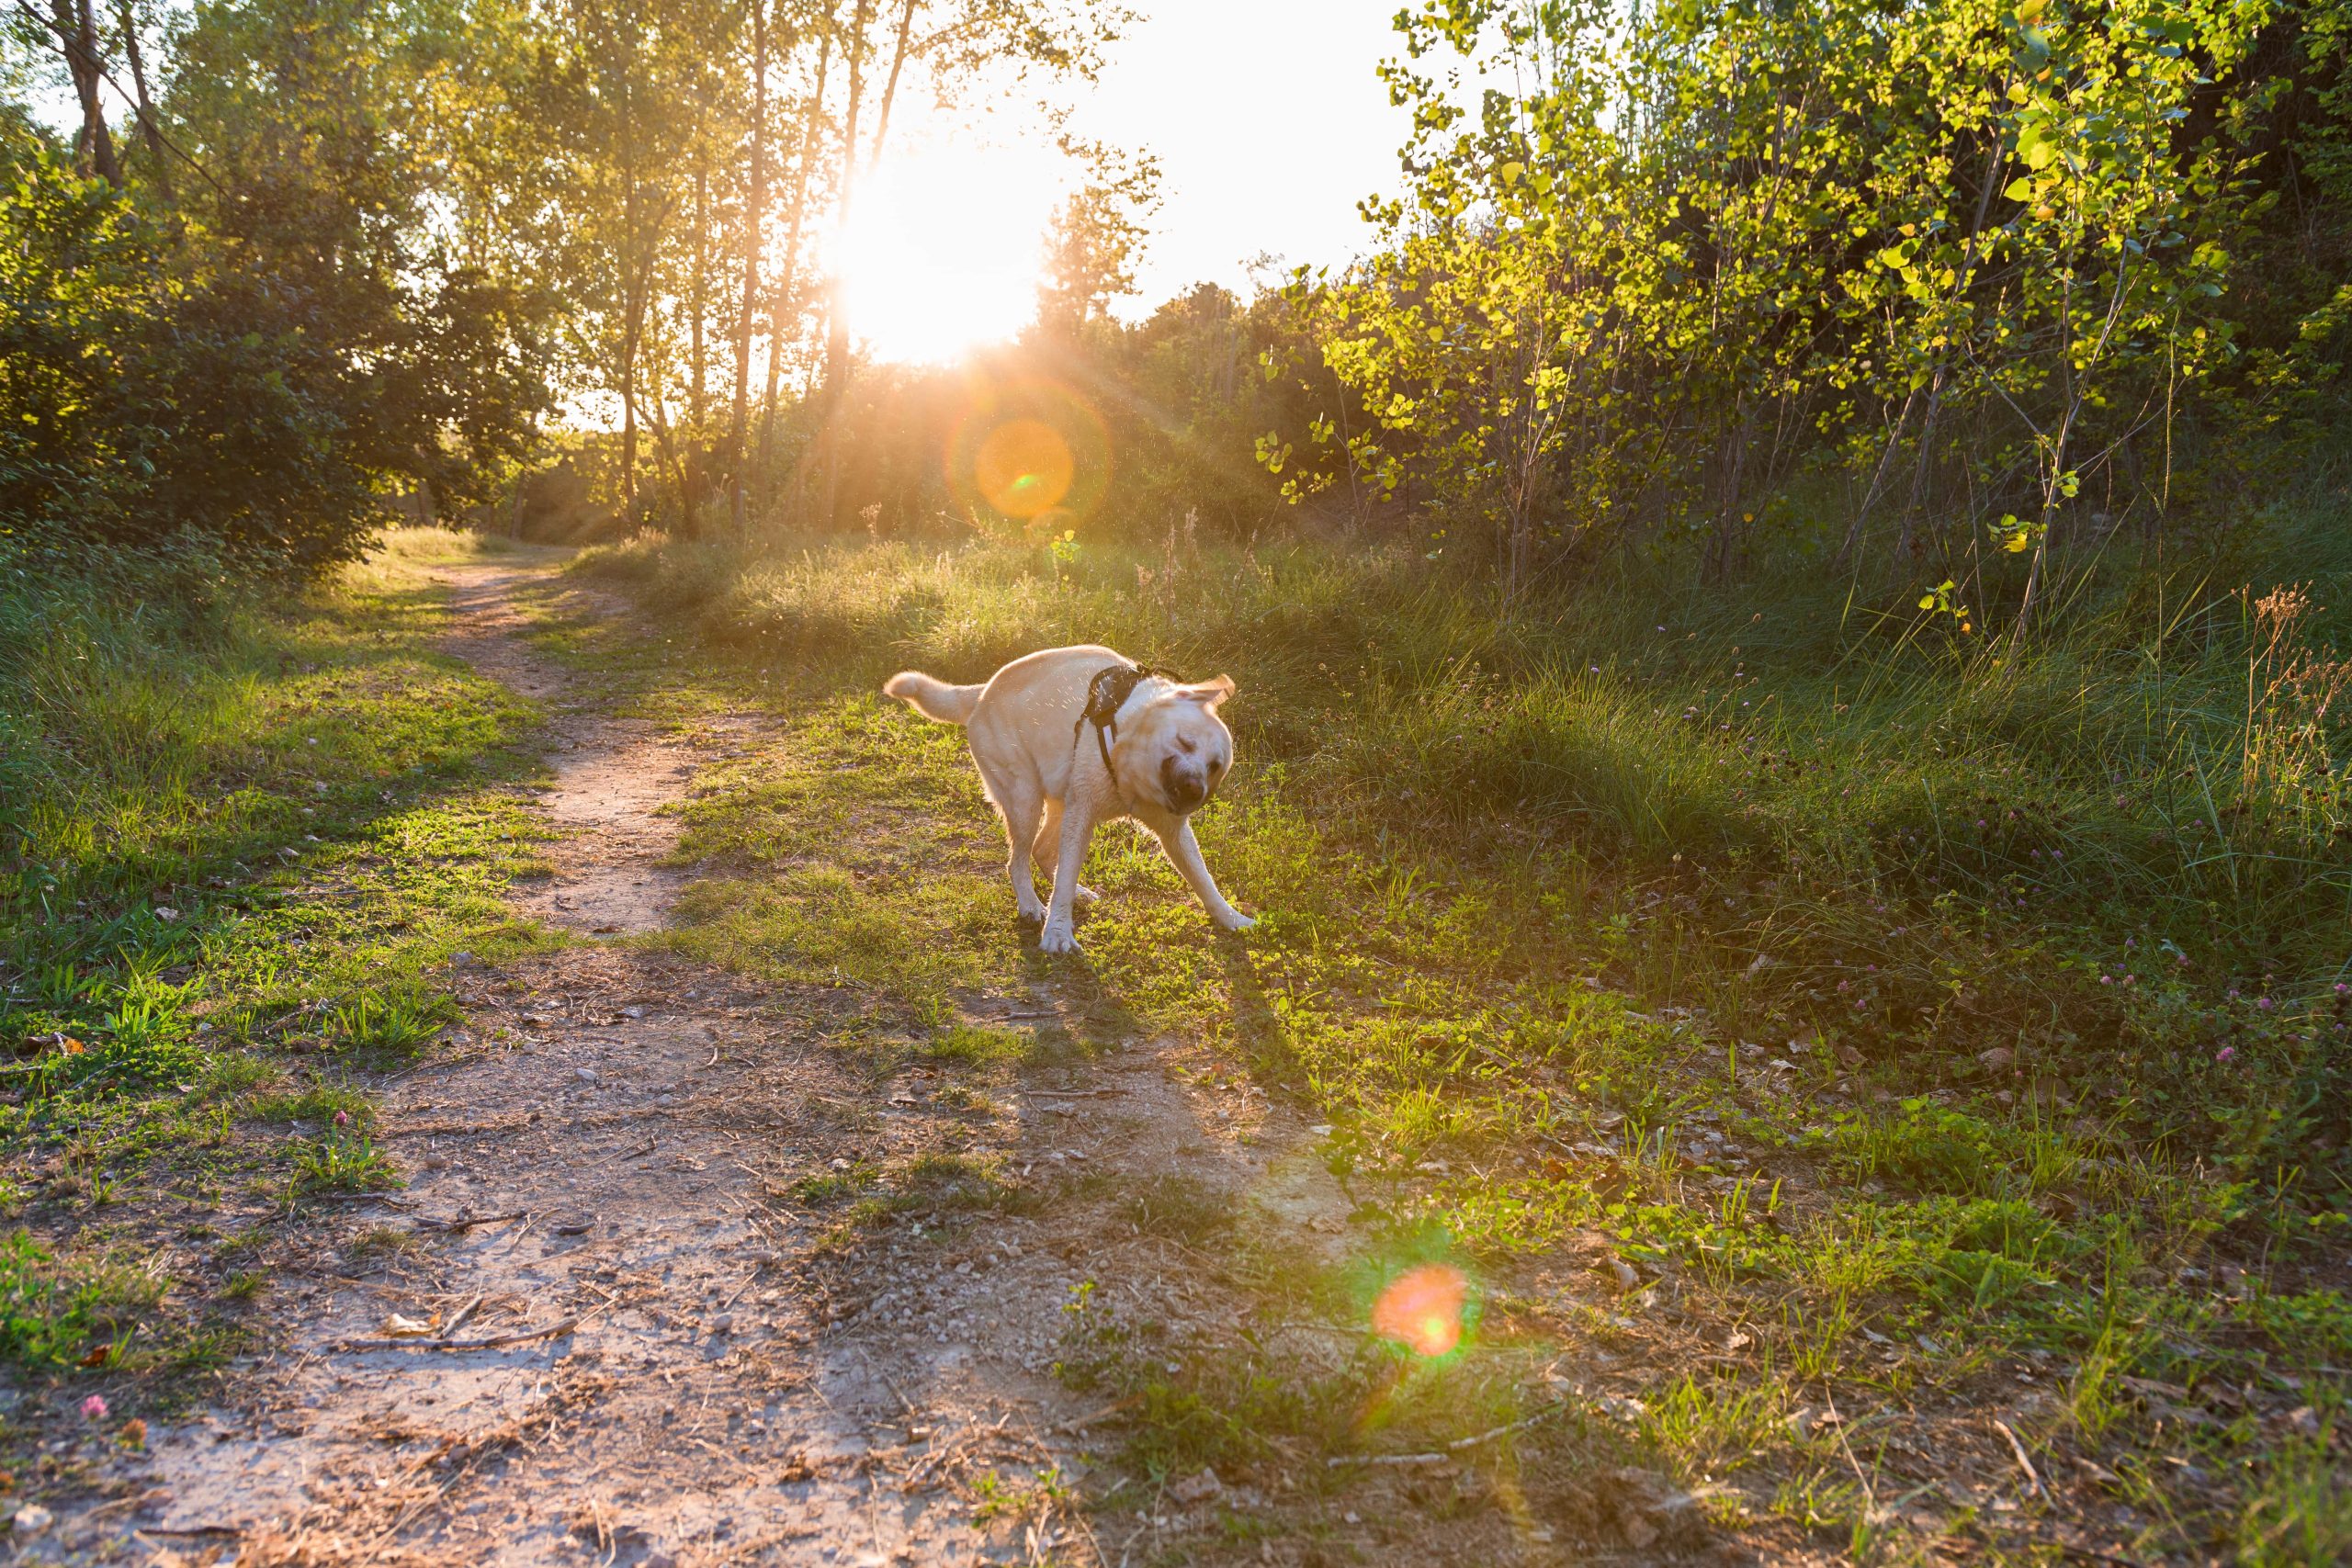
[1024, 468]
[1422, 1308]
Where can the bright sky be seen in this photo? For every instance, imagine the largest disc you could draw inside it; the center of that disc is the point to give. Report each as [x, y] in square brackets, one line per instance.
[1269, 119]
[1270, 122]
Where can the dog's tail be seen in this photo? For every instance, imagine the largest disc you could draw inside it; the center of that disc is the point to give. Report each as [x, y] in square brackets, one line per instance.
[933, 699]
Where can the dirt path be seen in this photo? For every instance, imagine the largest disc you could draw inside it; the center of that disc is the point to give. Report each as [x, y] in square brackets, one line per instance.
[672, 1357]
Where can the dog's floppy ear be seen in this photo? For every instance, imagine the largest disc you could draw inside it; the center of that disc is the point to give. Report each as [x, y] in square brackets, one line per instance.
[1208, 694]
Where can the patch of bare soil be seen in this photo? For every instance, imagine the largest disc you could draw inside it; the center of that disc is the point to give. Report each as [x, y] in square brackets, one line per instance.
[606, 1320]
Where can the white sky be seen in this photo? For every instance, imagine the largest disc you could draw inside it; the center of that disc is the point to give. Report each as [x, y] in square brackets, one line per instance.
[1271, 124]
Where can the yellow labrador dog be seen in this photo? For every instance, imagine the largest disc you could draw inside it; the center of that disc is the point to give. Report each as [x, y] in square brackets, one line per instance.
[1071, 738]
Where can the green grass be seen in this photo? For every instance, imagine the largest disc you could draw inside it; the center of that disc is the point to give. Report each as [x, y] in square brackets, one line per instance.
[53, 1316]
[238, 843]
[1577, 915]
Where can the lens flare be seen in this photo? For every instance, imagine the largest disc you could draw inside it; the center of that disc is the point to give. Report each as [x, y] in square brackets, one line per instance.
[1027, 457]
[1422, 1308]
[1024, 468]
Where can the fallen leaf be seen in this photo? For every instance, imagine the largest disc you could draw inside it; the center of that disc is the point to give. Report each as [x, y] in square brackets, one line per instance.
[400, 1326]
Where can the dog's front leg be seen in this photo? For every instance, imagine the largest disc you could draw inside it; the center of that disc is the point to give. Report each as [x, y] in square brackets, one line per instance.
[1077, 832]
[1184, 854]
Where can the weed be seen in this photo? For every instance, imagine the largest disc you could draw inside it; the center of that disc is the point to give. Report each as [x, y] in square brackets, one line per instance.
[50, 1311]
[1179, 1208]
[831, 1186]
[320, 1103]
[386, 1027]
[341, 1164]
[980, 1046]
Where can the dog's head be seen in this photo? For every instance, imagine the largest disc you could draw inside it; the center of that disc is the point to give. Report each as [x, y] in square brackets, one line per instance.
[1176, 751]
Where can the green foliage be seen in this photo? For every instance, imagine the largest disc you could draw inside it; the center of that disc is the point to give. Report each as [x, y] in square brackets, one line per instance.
[164, 385]
[1823, 277]
[49, 1312]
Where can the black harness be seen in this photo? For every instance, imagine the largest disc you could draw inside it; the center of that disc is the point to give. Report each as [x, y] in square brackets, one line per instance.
[1105, 695]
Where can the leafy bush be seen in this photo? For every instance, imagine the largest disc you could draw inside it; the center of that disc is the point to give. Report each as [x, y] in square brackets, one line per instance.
[160, 384]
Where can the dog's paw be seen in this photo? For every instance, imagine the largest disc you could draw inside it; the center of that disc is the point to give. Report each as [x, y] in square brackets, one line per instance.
[1033, 914]
[1084, 895]
[1235, 921]
[1057, 939]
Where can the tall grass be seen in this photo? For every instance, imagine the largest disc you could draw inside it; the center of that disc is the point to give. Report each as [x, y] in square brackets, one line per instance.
[163, 721]
[1819, 813]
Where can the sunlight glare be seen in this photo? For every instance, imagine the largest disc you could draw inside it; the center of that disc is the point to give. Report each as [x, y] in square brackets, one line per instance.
[1422, 1308]
[942, 253]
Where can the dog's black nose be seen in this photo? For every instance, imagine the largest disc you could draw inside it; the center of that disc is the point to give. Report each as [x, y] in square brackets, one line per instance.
[1184, 790]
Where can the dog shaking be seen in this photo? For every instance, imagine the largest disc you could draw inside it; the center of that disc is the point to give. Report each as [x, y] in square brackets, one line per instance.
[1067, 739]
[933, 699]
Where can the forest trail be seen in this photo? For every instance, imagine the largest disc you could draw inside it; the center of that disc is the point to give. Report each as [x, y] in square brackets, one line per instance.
[669, 1360]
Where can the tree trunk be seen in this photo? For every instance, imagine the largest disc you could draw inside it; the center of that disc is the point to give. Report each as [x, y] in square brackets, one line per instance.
[631, 317]
[78, 32]
[837, 324]
[780, 300]
[699, 306]
[149, 133]
[754, 218]
[890, 88]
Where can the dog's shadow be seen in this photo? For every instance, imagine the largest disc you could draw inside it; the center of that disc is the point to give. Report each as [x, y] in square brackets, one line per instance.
[1103, 1016]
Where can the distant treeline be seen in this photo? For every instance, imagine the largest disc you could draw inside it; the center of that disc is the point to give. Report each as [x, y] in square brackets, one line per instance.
[1943, 291]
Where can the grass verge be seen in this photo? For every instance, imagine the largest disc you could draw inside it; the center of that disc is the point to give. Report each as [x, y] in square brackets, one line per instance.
[238, 847]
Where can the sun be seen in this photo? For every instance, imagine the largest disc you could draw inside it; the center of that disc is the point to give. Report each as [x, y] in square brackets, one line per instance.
[942, 252]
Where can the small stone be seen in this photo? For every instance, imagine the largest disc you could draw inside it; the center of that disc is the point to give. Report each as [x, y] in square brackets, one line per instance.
[632, 1012]
[1995, 1060]
[461, 959]
[586, 1075]
[31, 1519]
[1197, 1488]
[165, 913]
[723, 1324]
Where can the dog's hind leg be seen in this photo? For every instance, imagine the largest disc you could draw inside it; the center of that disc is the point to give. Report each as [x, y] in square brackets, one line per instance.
[1020, 802]
[1048, 851]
